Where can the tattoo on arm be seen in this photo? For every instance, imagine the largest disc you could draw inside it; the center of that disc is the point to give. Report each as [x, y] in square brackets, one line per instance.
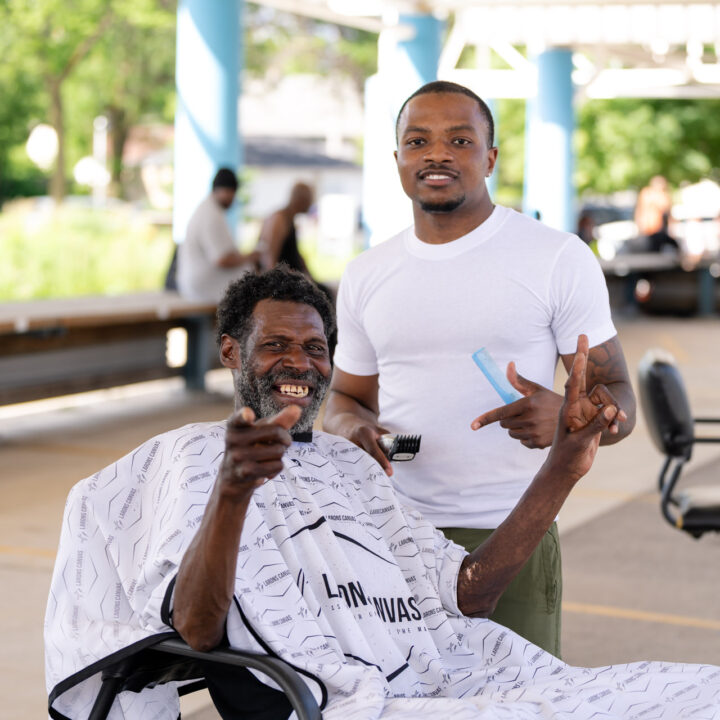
[606, 364]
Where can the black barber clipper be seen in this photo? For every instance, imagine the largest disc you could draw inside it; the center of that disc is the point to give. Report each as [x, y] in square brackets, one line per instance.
[400, 447]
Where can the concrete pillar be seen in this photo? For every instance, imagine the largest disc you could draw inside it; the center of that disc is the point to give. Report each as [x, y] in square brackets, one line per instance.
[548, 142]
[419, 45]
[408, 55]
[208, 66]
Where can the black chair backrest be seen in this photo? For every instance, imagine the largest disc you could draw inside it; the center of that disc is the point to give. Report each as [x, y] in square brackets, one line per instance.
[665, 404]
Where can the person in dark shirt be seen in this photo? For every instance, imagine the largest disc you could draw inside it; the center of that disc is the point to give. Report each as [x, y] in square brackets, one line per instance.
[278, 235]
[278, 241]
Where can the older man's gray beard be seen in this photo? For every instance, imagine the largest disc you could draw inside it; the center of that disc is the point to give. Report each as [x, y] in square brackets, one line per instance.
[256, 392]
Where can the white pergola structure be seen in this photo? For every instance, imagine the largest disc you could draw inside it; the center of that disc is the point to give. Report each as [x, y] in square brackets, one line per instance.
[621, 48]
[549, 52]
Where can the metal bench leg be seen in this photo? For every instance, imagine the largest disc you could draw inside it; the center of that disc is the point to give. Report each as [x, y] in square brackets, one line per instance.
[199, 339]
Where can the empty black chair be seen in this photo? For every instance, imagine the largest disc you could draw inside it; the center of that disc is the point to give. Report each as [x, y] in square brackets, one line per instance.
[667, 413]
[171, 659]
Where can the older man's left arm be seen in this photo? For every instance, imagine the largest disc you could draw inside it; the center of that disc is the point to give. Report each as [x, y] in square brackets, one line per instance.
[583, 418]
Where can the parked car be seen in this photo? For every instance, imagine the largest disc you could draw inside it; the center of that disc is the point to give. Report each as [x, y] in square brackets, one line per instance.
[611, 228]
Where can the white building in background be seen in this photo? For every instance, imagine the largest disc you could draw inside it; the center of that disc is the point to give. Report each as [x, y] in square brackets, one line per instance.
[328, 109]
[305, 128]
[272, 165]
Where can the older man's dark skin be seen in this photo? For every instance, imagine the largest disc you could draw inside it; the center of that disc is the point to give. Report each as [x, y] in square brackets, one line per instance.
[290, 335]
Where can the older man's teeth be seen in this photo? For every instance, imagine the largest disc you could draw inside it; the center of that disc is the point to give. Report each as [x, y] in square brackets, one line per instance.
[294, 390]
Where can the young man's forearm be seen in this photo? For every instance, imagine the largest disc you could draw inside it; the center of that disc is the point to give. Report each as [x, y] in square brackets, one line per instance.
[622, 391]
[343, 412]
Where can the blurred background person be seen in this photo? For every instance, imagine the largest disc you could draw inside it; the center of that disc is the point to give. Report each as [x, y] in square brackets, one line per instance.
[278, 235]
[652, 215]
[208, 258]
[585, 227]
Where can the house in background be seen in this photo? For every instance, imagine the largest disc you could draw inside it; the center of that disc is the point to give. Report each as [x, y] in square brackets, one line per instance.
[309, 128]
[305, 128]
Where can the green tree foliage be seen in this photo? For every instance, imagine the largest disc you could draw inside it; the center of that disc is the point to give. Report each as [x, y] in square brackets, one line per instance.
[65, 62]
[20, 109]
[74, 251]
[279, 43]
[129, 77]
[622, 143]
[51, 39]
[510, 138]
[55, 36]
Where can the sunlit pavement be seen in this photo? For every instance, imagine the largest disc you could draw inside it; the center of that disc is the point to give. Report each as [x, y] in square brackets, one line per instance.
[635, 588]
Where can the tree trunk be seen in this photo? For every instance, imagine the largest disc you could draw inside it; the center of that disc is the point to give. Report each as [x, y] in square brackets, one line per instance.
[118, 136]
[58, 185]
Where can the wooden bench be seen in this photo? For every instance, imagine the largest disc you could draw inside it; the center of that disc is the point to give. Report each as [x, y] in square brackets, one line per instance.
[56, 347]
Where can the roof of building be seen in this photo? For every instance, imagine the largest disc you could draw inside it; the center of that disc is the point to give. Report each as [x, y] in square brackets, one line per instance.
[290, 152]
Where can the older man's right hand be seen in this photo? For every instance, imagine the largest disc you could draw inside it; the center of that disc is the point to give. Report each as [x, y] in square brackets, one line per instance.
[254, 449]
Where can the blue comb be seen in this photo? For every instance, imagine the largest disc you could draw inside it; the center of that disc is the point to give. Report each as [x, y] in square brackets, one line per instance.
[492, 372]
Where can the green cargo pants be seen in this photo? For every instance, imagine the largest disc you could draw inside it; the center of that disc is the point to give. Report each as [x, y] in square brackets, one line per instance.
[531, 604]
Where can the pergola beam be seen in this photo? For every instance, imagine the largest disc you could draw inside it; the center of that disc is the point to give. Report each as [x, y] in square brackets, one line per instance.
[457, 4]
[323, 10]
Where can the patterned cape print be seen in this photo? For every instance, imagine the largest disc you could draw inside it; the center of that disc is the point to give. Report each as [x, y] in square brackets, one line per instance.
[333, 576]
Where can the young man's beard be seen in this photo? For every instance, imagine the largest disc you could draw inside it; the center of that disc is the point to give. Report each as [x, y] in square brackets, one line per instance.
[442, 207]
[256, 392]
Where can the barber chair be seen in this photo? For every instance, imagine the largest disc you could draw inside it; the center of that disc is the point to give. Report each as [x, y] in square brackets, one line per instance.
[664, 402]
[170, 659]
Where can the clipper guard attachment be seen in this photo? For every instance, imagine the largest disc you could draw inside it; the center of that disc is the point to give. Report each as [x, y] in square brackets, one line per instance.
[399, 448]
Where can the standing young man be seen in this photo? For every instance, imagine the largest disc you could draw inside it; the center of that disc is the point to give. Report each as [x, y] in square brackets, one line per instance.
[411, 313]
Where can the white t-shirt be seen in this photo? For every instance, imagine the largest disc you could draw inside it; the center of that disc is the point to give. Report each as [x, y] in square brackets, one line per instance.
[414, 313]
[207, 239]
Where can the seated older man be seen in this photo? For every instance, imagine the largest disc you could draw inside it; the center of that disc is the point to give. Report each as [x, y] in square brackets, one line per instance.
[262, 533]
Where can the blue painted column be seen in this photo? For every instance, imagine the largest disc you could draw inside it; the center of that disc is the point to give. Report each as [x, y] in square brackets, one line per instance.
[408, 55]
[549, 127]
[418, 54]
[208, 65]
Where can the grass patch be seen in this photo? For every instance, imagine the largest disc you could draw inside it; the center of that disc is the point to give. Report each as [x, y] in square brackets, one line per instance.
[75, 249]
[53, 252]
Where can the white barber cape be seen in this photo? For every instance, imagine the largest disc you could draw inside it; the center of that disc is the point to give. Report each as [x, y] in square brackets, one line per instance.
[334, 577]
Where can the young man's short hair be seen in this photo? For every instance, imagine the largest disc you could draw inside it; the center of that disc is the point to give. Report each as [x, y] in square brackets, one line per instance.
[445, 86]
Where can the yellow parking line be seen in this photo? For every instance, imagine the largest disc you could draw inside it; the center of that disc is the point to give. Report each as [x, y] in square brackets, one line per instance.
[627, 614]
[35, 552]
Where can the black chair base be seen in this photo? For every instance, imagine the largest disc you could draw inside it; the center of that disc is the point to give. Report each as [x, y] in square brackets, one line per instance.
[172, 660]
[672, 430]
